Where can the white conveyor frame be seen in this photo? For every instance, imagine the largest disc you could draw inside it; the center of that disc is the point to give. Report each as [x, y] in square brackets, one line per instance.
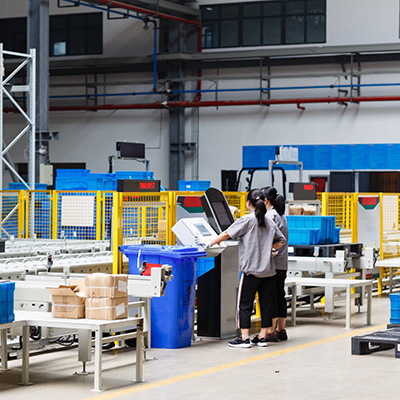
[348, 284]
[84, 327]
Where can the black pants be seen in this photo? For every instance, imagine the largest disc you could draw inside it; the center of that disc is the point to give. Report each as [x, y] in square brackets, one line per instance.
[280, 309]
[265, 287]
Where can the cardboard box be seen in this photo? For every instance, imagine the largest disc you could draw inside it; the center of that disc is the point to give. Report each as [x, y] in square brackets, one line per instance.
[296, 210]
[106, 285]
[68, 302]
[162, 229]
[106, 308]
[309, 210]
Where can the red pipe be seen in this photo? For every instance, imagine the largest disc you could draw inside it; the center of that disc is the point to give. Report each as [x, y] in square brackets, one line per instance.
[221, 103]
[145, 11]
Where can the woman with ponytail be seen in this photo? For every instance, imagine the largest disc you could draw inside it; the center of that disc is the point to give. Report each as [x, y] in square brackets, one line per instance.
[275, 205]
[256, 234]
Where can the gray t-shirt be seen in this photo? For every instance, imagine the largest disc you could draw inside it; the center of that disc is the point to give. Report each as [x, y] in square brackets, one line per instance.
[281, 260]
[255, 244]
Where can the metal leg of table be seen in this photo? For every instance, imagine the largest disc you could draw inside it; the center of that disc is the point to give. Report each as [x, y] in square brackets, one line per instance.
[348, 307]
[84, 349]
[294, 305]
[390, 279]
[98, 360]
[139, 353]
[369, 303]
[25, 356]
[3, 350]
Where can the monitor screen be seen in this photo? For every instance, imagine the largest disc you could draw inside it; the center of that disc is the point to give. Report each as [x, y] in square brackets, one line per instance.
[224, 219]
[202, 229]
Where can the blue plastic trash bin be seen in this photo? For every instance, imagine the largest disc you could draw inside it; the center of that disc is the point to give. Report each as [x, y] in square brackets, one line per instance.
[172, 314]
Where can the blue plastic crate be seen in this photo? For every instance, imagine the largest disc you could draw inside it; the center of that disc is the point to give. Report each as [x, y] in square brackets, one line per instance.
[21, 186]
[304, 236]
[68, 173]
[4, 319]
[146, 175]
[326, 225]
[394, 308]
[6, 301]
[101, 182]
[337, 235]
[76, 183]
[194, 186]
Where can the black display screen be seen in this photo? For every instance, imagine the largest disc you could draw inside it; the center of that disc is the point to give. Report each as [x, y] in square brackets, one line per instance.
[224, 219]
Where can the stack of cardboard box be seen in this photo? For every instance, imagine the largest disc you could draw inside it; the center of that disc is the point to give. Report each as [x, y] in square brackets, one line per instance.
[99, 296]
[106, 296]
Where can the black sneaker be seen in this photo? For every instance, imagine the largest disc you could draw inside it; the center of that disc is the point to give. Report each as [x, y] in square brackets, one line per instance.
[239, 342]
[256, 341]
[282, 335]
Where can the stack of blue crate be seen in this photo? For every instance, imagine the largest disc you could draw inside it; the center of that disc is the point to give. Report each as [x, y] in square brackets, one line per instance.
[83, 179]
[394, 308]
[6, 301]
[21, 186]
[311, 229]
[194, 186]
[72, 179]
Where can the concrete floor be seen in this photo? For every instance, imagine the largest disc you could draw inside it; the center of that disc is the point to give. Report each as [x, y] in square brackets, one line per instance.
[315, 363]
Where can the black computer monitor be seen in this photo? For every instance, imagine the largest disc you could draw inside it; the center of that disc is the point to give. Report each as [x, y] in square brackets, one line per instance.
[217, 210]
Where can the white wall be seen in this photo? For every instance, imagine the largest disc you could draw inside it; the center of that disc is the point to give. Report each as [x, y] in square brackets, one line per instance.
[90, 137]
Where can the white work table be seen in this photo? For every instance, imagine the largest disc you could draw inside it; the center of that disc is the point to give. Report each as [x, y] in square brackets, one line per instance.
[84, 327]
[389, 263]
[348, 284]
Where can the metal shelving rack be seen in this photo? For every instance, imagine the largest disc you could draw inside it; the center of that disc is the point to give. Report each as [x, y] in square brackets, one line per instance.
[27, 61]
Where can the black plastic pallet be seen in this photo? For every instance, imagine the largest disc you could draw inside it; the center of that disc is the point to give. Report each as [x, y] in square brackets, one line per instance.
[376, 341]
[326, 250]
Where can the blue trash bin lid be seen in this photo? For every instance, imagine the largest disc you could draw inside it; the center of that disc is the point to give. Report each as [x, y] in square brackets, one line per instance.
[169, 251]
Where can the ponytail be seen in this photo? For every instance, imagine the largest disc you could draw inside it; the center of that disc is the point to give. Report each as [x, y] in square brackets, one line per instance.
[256, 198]
[277, 200]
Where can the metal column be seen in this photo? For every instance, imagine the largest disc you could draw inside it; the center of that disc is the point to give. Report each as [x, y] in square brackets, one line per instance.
[38, 38]
[177, 43]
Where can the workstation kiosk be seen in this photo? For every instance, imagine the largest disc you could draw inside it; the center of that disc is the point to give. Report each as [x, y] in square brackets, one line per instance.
[217, 289]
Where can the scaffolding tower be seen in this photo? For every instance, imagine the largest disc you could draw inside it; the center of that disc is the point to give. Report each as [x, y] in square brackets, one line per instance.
[27, 61]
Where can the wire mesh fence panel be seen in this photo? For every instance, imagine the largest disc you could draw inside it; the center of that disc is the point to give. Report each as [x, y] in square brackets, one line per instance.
[11, 209]
[38, 214]
[78, 215]
[341, 206]
[237, 203]
[390, 221]
[106, 213]
[144, 220]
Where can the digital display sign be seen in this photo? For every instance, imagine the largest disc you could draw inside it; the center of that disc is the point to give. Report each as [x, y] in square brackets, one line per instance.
[136, 185]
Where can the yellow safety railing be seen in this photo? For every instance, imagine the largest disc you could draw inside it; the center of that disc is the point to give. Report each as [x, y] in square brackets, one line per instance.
[238, 201]
[140, 218]
[389, 233]
[38, 214]
[344, 207]
[148, 218]
[12, 209]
